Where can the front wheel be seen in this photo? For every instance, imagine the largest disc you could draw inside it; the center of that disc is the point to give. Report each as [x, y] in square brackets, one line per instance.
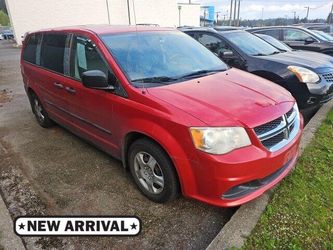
[153, 171]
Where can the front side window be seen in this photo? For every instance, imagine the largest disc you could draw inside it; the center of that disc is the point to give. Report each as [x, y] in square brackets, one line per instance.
[86, 57]
[153, 56]
[293, 35]
[53, 51]
[30, 50]
[250, 44]
[213, 43]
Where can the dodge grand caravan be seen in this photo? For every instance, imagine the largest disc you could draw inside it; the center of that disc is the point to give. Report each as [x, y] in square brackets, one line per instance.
[167, 107]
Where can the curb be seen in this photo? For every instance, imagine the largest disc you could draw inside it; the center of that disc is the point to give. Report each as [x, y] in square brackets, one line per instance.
[241, 224]
[8, 240]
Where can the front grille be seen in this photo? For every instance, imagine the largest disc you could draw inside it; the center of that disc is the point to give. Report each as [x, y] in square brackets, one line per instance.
[276, 134]
[268, 126]
[273, 140]
[328, 77]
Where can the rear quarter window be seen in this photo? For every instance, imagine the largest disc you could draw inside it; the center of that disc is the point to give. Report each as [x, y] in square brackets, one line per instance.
[53, 51]
[273, 33]
[30, 50]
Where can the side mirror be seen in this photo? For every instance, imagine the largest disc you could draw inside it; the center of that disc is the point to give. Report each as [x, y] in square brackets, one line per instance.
[96, 79]
[227, 55]
[309, 40]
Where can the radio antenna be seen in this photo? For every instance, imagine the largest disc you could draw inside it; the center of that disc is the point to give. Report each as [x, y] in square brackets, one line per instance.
[133, 4]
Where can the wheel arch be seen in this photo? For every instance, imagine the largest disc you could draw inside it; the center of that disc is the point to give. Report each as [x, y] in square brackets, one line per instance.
[184, 176]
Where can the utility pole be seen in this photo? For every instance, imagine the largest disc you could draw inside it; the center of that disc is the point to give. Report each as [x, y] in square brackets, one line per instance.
[235, 12]
[217, 16]
[294, 16]
[238, 21]
[230, 20]
[204, 24]
[330, 15]
[262, 16]
[307, 13]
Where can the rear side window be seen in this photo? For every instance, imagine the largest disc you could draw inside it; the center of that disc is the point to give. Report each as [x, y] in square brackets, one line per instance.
[30, 50]
[273, 33]
[53, 51]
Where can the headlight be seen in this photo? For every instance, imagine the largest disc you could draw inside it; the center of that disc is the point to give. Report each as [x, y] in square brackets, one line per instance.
[304, 75]
[219, 140]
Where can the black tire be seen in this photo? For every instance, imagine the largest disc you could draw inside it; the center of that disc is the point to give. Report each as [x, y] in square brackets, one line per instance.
[164, 167]
[39, 111]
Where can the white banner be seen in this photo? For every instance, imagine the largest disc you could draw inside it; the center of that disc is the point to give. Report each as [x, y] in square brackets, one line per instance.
[77, 226]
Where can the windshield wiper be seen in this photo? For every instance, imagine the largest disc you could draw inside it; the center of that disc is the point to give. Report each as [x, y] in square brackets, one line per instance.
[260, 54]
[200, 73]
[155, 79]
[275, 52]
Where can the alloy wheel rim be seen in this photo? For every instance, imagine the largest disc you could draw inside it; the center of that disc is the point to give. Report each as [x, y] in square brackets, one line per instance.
[148, 172]
[39, 110]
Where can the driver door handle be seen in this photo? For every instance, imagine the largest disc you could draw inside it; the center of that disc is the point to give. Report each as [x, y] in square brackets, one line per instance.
[70, 90]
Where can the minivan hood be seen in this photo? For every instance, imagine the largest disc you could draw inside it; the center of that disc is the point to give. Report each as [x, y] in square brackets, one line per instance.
[317, 62]
[230, 98]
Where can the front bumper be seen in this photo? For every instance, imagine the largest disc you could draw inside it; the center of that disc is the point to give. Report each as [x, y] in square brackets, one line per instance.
[242, 175]
[323, 91]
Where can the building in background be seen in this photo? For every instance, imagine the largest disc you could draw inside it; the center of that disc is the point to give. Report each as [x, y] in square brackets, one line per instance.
[188, 14]
[30, 15]
[207, 16]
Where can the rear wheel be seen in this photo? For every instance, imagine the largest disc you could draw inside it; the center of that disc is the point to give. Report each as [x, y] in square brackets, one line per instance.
[153, 171]
[39, 112]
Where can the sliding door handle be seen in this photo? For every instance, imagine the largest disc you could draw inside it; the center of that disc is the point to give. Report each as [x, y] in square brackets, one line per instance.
[58, 85]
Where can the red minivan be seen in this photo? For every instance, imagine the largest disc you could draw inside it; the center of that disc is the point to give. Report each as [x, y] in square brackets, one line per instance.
[178, 117]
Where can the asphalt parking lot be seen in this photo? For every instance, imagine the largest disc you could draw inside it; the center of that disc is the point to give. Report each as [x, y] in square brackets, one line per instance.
[51, 171]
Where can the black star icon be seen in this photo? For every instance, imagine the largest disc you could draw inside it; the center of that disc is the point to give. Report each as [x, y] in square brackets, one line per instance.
[21, 226]
[133, 226]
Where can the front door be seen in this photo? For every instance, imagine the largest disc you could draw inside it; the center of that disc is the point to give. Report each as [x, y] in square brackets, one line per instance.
[91, 109]
[299, 39]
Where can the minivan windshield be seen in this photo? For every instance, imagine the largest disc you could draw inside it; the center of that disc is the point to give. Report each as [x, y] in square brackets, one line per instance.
[250, 44]
[161, 57]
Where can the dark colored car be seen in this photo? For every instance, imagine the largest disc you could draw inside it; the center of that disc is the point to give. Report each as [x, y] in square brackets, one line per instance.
[8, 34]
[284, 47]
[327, 28]
[177, 116]
[309, 80]
[297, 38]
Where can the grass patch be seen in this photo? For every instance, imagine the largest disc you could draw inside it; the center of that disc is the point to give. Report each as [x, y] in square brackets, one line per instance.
[300, 214]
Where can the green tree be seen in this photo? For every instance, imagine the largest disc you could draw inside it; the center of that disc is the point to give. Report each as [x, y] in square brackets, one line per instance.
[3, 6]
[4, 19]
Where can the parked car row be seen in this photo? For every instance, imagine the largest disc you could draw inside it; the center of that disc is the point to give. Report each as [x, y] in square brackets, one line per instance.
[178, 117]
[309, 78]
[298, 38]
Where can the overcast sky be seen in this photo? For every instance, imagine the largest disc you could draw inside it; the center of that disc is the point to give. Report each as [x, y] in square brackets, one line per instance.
[252, 9]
